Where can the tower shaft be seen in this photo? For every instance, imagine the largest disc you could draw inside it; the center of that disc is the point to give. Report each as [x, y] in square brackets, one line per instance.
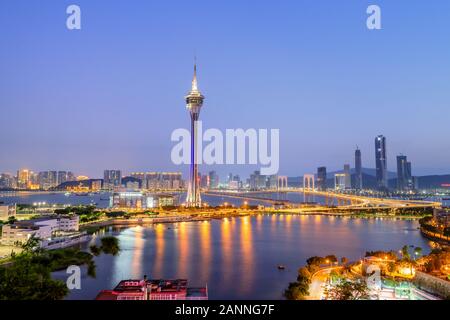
[194, 102]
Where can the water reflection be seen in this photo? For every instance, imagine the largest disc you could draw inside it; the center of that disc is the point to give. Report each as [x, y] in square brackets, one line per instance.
[247, 254]
[136, 262]
[206, 251]
[227, 250]
[238, 257]
[183, 250]
[159, 249]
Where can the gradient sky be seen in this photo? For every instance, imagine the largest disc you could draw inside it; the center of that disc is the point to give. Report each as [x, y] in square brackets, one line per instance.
[110, 95]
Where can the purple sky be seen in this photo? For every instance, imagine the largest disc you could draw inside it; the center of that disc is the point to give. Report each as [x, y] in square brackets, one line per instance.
[110, 95]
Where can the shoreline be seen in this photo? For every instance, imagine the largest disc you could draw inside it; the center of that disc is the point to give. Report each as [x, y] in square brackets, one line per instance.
[147, 221]
[437, 237]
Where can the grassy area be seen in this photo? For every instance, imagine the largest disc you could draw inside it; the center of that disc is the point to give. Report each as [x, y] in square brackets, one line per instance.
[5, 252]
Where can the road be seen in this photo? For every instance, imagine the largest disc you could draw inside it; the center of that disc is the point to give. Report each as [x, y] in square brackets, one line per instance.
[318, 281]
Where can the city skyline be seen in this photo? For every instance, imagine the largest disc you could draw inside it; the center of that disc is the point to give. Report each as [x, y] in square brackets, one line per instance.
[381, 169]
[101, 98]
[210, 152]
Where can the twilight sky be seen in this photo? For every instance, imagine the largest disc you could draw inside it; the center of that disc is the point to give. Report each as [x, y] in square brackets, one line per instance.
[110, 95]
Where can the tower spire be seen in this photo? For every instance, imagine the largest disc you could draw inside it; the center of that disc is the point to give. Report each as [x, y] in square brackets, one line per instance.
[194, 79]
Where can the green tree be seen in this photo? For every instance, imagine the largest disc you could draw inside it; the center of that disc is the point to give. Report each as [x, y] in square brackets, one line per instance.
[33, 245]
[331, 258]
[110, 245]
[303, 273]
[96, 251]
[12, 220]
[315, 261]
[296, 291]
[347, 290]
[405, 253]
[26, 280]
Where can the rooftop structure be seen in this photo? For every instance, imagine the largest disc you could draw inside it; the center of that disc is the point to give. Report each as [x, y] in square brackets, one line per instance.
[156, 289]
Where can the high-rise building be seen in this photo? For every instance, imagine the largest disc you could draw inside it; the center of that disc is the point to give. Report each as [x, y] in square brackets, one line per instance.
[237, 179]
[7, 181]
[381, 162]
[339, 181]
[62, 177]
[411, 184]
[47, 180]
[71, 176]
[204, 181]
[348, 177]
[404, 176]
[194, 103]
[23, 178]
[213, 180]
[272, 182]
[322, 178]
[159, 180]
[112, 179]
[358, 170]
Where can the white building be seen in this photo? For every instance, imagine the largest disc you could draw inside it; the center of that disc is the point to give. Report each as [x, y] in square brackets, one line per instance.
[50, 222]
[69, 223]
[7, 211]
[42, 228]
[13, 234]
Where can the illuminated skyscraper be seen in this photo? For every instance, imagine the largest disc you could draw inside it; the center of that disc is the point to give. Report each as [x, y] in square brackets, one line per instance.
[23, 178]
[194, 103]
[112, 179]
[213, 180]
[348, 177]
[380, 161]
[404, 177]
[322, 178]
[358, 170]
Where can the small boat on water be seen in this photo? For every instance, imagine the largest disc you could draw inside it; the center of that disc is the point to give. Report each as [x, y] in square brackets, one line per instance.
[281, 267]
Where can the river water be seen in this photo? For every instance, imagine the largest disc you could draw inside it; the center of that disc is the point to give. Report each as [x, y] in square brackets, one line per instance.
[237, 258]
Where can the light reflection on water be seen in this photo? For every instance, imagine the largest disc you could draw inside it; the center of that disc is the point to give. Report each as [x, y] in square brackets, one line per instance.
[238, 257]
